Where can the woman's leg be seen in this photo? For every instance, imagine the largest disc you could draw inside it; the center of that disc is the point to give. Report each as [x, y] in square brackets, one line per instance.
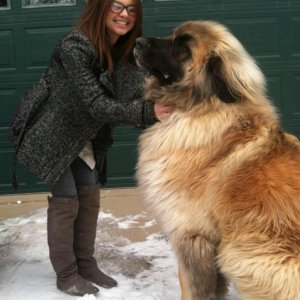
[86, 225]
[65, 186]
[62, 213]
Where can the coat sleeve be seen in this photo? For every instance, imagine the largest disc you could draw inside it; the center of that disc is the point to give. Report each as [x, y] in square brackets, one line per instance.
[129, 84]
[77, 56]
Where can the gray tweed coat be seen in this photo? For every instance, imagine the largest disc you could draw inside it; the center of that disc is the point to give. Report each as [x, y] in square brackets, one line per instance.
[74, 102]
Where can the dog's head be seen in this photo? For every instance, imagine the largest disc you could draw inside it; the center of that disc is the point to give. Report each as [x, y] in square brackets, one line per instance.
[201, 59]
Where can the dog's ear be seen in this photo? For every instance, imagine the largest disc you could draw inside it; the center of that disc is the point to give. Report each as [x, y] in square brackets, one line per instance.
[219, 84]
[234, 73]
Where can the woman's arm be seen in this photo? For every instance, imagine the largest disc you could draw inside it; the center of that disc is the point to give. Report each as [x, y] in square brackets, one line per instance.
[77, 56]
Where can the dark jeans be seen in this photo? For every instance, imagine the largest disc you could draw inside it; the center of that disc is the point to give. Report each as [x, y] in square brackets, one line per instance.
[78, 174]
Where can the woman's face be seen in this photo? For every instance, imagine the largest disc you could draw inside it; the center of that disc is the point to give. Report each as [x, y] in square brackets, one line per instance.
[120, 19]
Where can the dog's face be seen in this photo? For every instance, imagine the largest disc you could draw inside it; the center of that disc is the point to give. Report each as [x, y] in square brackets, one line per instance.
[201, 60]
[163, 58]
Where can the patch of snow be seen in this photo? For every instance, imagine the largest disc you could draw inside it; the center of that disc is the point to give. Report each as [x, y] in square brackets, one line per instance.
[144, 270]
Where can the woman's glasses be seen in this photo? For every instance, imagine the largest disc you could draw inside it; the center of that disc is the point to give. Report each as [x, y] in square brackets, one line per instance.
[118, 7]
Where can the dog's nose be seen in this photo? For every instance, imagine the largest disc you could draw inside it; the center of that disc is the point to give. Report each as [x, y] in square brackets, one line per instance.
[142, 42]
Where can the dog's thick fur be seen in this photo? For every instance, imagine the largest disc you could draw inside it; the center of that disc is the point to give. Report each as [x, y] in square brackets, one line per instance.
[220, 173]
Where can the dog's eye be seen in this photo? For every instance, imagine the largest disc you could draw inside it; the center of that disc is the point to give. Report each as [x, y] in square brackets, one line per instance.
[180, 43]
[180, 50]
[181, 46]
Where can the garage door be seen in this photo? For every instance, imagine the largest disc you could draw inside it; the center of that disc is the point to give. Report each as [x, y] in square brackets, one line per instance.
[29, 29]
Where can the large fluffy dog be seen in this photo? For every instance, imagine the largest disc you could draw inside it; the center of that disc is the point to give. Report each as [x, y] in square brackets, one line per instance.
[219, 172]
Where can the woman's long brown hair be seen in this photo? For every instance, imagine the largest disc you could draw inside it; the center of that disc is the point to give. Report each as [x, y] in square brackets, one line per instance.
[92, 24]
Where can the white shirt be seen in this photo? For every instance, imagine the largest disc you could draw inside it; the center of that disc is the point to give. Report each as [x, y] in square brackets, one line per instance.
[87, 155]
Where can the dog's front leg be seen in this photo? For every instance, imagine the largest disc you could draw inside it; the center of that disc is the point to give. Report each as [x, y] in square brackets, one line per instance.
[197, 270]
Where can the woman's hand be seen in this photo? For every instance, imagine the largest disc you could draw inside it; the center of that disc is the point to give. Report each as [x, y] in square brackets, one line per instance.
[162, 111]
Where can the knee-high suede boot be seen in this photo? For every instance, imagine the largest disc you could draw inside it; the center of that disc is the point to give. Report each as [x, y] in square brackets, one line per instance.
[85, 234]
[62, 213]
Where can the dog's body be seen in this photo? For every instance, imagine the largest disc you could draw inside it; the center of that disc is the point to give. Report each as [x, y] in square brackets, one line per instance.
[219, 172]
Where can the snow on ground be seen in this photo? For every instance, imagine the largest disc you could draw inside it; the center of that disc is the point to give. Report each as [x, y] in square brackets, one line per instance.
[144, 270]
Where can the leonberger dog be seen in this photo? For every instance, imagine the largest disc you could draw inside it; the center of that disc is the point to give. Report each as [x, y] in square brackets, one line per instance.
[220, 173]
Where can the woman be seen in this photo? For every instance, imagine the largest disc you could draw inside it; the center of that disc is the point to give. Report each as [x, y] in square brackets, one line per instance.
[62, 130]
